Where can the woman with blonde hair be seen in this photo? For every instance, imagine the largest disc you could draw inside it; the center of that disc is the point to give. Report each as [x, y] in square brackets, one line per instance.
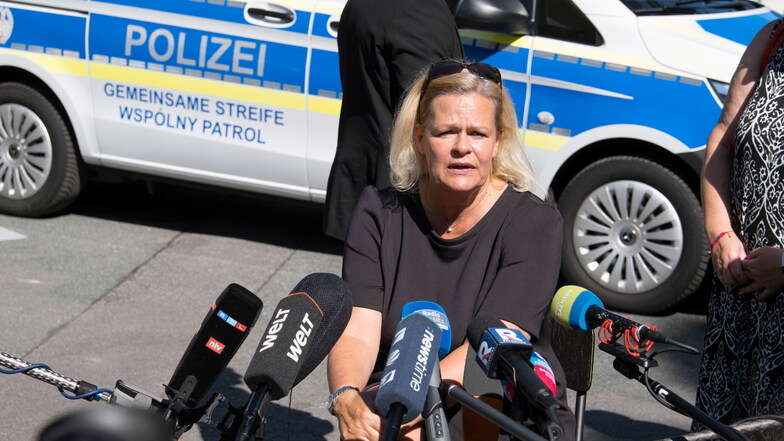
[459, 228]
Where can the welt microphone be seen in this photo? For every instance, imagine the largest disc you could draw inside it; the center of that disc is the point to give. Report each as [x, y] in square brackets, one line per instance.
[410, 364]
[303, 328]
[504, 353]
[222, 331]
[433, 411]
[577, 308]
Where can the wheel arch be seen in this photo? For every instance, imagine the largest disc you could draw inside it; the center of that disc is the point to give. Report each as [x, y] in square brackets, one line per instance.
[11, 74]
[678, 164]
[680, 167]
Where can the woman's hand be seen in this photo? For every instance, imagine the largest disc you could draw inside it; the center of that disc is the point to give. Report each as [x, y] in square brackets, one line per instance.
[763, 267]
[727, 255]
[350, 362]
[357, 417]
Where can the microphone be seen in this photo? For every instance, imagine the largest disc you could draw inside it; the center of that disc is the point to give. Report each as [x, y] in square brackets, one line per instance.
[303, 328]
[434, 312]
[577, 308]
[222, 331]
[435, 416]
[401, 394]
[503, 353]
[542, 370]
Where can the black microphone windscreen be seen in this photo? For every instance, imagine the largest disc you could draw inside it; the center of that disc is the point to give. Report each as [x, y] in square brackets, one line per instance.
[411, 361]
[479, 325]
[221, 333]
[332, 295]
[300, 325]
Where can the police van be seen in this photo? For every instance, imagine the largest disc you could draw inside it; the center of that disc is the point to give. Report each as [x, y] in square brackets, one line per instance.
[615, 98]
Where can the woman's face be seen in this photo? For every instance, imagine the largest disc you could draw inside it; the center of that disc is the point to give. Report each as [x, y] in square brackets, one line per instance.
[459, 142]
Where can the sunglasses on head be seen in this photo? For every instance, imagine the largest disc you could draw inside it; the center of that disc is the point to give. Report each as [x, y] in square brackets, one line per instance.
[450, 67]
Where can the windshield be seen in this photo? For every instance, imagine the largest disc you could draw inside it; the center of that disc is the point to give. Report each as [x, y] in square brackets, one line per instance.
[682, 7]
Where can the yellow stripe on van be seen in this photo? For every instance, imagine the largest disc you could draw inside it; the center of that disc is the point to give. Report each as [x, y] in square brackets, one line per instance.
[53, 63]
[504, 39]
[544, 141]
[324, 105]
[185, 83]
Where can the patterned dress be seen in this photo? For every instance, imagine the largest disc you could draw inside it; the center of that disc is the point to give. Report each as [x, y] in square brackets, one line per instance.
[742, 369]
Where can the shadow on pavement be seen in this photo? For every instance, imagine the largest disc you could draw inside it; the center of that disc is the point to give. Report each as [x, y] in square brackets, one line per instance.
[260, 218]
[605, 426]
[283, 423]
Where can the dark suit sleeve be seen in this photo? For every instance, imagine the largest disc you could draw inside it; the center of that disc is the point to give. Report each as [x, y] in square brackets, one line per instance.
[422, 32]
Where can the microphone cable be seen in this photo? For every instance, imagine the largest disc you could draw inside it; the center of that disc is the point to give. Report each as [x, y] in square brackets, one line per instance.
[89, 396]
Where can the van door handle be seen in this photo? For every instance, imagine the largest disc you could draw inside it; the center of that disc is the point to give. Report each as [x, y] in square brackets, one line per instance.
[333, 25]
[272, 14]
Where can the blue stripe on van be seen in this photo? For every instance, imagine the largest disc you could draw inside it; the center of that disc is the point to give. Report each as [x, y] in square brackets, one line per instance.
[222, 10]
[325, 74]
[47, 32]
[230, 11]
[508, 58]
[738, 29]
[659, 101]
[517, 92]
[501, 56]
[320, 26]
[196, 52]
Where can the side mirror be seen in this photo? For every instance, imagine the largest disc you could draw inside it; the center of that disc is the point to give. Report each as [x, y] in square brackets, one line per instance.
[503, 16]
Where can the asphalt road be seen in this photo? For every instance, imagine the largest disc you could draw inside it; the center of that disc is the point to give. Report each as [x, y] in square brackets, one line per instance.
[115, 287]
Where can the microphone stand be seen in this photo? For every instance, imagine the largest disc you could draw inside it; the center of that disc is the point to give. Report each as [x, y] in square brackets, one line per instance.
[629, 367]
[435, 417]
[483, 409]
[252, 424]
[394, 421]
[541, 405]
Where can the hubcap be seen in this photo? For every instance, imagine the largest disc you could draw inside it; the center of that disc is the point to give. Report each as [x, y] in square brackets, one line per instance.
[628, 236]
[25, 152]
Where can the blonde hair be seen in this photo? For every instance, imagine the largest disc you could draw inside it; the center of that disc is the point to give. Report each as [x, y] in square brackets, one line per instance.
[408, 166]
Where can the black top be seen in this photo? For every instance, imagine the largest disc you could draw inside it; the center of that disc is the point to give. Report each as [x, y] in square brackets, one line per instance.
[381, 44]
[506, 266]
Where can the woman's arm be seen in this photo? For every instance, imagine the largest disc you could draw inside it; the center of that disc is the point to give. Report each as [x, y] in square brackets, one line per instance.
[350, 363]
[727, 252]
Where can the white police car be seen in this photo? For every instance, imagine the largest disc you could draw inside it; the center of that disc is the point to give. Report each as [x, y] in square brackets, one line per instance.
[615, 97]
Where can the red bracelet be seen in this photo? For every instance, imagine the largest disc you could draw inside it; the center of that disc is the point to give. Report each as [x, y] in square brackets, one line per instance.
[716, 240]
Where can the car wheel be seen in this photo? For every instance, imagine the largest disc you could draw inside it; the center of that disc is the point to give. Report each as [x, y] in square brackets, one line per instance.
[633, 234]
[39, 168]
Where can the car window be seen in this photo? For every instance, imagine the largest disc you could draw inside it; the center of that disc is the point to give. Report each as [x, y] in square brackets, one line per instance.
[681, 7]
[561, 19]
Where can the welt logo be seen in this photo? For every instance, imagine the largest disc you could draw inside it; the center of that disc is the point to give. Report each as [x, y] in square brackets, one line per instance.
[215, 345]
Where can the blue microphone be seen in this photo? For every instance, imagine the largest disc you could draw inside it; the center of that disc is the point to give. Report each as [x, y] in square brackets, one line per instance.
[504, 353]
[435, 416]
[410, 364]
[577, 308]
[434, 312]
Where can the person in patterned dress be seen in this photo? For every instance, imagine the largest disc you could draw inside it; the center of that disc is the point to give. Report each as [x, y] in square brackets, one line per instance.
[741, 372]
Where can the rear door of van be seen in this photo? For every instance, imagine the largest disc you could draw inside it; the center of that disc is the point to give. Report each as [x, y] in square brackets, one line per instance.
[209, 91]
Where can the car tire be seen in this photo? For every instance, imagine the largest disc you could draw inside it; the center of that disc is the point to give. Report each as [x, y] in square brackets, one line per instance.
[633, 234]
[40, 171]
